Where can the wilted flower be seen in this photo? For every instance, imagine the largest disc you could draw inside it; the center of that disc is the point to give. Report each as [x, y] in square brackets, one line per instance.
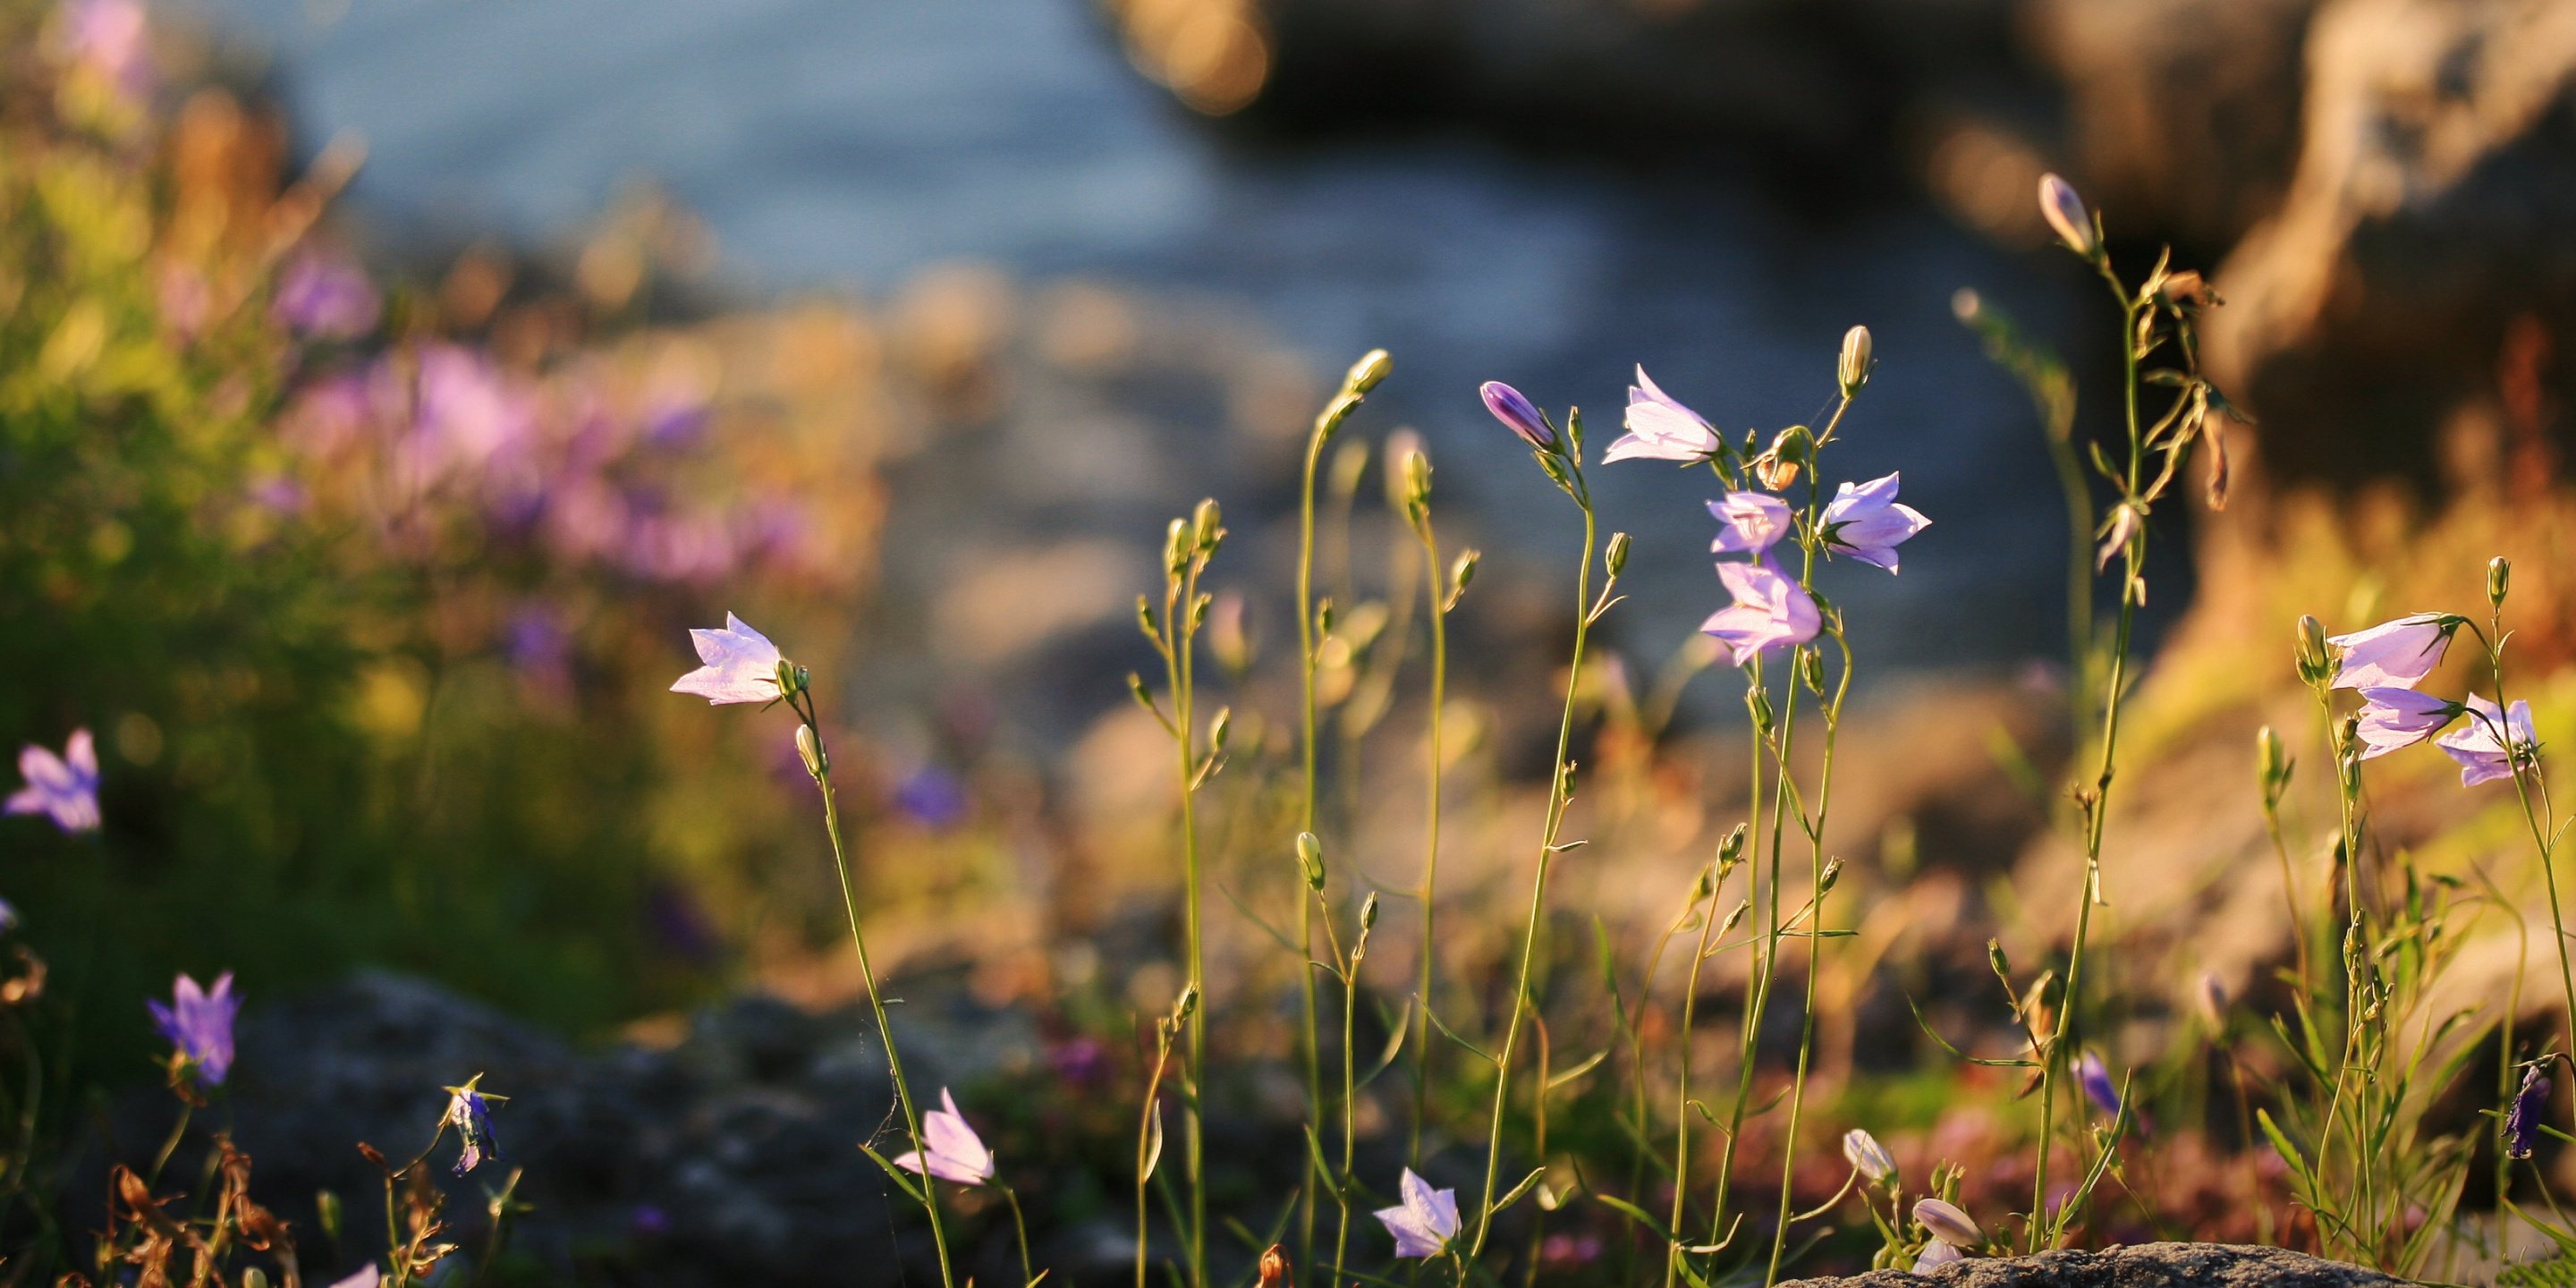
[1751, 522]
[2065, 212]
[2117, 533]
[1770, 609]
[956, 1152]
[1518, 414]
[2522, 1121]
[323, 296]
[64, 787]
[469, 1111]
[741, 665]
[2482, 756]
[1948, 1224]
[1865, 521]
[1660, 428]
[1867, 1156]
[1936, 1254]
[1274, 1269]
[199, 1022]
[2395, 654]
[1425, 1222]
[2392, 718]
[2091, 1075]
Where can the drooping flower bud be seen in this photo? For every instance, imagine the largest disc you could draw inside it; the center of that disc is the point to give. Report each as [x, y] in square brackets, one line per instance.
[2522, 1121]
[1518, 414]
[2065, 212]
[2499, 580]
[2315, 664]
[1310, 859]
[1365, 374]
[1948, 1223]
[1853, 371]
[1867, 1156]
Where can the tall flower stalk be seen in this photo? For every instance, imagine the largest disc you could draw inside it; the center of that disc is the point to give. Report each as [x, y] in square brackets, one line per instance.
[1560, 457]
[1312, 628]
[2161, 311]
[1188, 545]
[1416, 485]
[741, 665]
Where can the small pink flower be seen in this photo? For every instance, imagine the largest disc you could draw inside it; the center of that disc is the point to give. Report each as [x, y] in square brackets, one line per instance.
[1660, 428]
[2065, 213]
[2483, 755]
[2395, 654]
[1771, 609]
[1754, 522]
[741, 666]
[2392, 718]
[1425, 1222]
[64, 787]
[956, 1152]
[1865, 521]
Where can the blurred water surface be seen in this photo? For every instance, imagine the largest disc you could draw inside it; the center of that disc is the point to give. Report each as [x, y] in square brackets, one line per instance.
[851, 142]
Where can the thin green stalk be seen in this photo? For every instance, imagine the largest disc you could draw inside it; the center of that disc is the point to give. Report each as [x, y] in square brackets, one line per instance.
[1180, 615]
[822, 766]
[1020, 1224]
[2543, 836]
[1441, 600]
[1557, 799]
[1708, 930]
[1758, 995]
[1350, 1138]
[1815, 948]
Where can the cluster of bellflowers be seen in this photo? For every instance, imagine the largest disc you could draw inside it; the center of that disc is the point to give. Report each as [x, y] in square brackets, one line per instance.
[1940, 1232]
[2386, 664]
[1773, 607]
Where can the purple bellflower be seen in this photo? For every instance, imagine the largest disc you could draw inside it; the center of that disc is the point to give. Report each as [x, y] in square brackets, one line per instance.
[322, 296]
[1867, 1156]
[1518, 414]
[1751, 522]
[1948, 1223]
[741, 666]
[199, 1022]
[64, 787]
[2066, 214]
[956, 1152]
[2095, 1078]
[469, 1111]
[1770, 609]
[1425, 1222]
[2522, 1121]
[1864, 521]
[1936, 1254]
[2396, 654]
[2392, 718]
[2482, 757]
[1660, 428]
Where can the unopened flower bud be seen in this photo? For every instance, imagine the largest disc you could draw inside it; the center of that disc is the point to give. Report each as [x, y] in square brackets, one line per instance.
[1811, 669]
[1207, 525]
[1310, 859]
[2271, 764]
[1705, 886]
[1178, 538]
[1136, 689]
[1853, 370]
[2065, 212]
[2315, 663]
[1616, 557]
[1867, 1156]
[1274, 1263]
[1145, 619]
[1218, 727]
[1461, 573]
[1760, 704]
[326, 1204]
[1365, 374]
[1417, 481]
[810, 749]
[2212, 996]
[1324, 615]
[1401, 447]
[2499, 580]
[1519, 415]
[254, 1277]
[1735, 916]
[1187, 1004]
[1730, 851]
[1368, 913]
[1995, 958]
[1949, 1224]
[1833, 873]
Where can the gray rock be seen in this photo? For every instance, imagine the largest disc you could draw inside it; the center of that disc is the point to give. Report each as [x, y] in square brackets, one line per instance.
[2151, 1265]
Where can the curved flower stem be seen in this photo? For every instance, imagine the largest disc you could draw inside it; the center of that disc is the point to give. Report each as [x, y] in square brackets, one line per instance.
[1682, 1087]
[803, 704]
[2527, 779]
[1558, 796]
[1021, 1225]
[1148, 1137]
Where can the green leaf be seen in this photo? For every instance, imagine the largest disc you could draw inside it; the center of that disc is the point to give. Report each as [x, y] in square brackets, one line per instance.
[1153, 1142]
[901, 1178]
[1520, 1189]
[1579, 1070]
[1636, 1214]
[1395, 1035]
[1472, 1049]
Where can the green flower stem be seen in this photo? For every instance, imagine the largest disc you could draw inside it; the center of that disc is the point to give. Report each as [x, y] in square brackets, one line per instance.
[1021, 1225]
[1558, 797]
[1758, 996]
[1180, 623]
[1682, 1088]
[867, 972]
[2527, 780]
[1440, 604]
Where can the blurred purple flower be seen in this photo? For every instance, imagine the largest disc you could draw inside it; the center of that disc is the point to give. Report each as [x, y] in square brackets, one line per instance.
[741, 666]
[1661, 429]
[677, 923]
[1518, 414]
[199, 1022]
[675, 422]
[63, 787]
[2481, 755]
[956, 1152]
[468, 411]
[276, 493]
[1770, 610]
[2396, 654]
[8, 916]
[540, 651]
[2522, 1121]
[1569, 1249]
[1083, 1062]
[2392, 718]
[112, 38]
[648, 1220]
[324, 296]
[1864, 521]
[1749, 522]
[1425, 1222]
[932, 797]
[469, 1111]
